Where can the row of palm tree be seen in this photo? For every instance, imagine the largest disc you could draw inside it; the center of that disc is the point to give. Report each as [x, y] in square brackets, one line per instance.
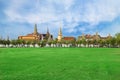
[111, 42]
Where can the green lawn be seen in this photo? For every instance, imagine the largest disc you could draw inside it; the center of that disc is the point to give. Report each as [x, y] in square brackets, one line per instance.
[59, 64]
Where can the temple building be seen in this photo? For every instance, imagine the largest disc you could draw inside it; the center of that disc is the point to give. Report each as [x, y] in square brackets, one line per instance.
[36, 36]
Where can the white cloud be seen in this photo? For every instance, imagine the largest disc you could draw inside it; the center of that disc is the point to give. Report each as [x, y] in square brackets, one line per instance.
[53, 12]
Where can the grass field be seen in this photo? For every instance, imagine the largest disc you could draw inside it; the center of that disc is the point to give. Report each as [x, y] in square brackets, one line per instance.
[59, 64]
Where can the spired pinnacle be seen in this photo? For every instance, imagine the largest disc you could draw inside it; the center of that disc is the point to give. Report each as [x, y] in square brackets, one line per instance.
[60, 34]
[35, 29]
[60, 31]
[48, 31]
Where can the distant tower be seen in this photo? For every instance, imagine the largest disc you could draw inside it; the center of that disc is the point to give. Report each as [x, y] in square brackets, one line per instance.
[49, 38]
[109, 36]
[48, 32]
[83, 36]
[97, 37]
[60, 35]
[35, 29]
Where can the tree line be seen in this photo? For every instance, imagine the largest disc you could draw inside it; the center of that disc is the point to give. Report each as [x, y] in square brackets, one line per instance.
[112, 42]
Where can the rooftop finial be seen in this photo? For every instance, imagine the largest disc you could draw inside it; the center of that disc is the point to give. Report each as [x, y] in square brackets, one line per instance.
[35, 29]
[60, 31]
[60, 34]
[47, 30]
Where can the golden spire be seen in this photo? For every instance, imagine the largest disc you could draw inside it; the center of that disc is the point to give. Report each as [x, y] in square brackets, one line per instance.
[60, 31]
[47, 30]
[60, 34]
[35, 29]
[83, 36]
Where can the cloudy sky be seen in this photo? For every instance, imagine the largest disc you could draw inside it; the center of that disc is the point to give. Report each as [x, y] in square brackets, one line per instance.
[17, 17]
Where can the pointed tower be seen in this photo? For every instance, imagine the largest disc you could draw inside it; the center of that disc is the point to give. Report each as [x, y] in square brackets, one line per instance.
[109, 36]
[83, 36]
[48, 32]
[35, 29]
[97, 37]
[49, 39]
[60, 34]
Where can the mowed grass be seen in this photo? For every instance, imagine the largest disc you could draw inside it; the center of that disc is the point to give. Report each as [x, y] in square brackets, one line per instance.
[59, 64]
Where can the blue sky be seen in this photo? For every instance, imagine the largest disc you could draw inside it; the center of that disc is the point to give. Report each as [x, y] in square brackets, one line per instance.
[17, 17]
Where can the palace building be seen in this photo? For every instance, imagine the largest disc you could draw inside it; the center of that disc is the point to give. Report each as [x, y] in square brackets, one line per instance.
[93, 37]
[36, 36]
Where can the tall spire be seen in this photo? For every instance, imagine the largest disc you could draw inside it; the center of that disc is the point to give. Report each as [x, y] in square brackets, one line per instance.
[83, 36]
[47, 30]
[60, 31]
[35, 29]
[60, 34]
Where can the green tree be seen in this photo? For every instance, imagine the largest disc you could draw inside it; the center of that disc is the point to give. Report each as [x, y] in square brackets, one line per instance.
[113, 42]
[117, 36]
[43, 43]
[28, 43]
[14, 43]
[84, 42]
